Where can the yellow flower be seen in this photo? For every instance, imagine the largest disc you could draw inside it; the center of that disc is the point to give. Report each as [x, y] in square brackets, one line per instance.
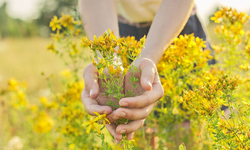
[65, 73]
[200, 42]
[33, 108]
[44, 101]
[44, 123]
[72, 146]
[77, 32]
[92, 125]
[85, 41]
[101, 117]
[54, 24]
[22, 99]
[13, 84]
[102, 61]
[93, 61]
[78, 22]
[112, 69]
[67, 21]
[57, 36]
[245, 67]
[51, 48]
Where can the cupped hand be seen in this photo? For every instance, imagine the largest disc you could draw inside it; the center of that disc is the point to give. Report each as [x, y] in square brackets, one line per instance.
[137, 108]
[93, 94]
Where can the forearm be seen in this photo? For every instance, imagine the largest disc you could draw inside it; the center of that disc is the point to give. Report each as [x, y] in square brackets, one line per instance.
[97, 16]
[168, 23]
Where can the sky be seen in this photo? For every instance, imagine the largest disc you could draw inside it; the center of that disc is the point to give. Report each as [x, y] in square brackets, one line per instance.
[28, 9]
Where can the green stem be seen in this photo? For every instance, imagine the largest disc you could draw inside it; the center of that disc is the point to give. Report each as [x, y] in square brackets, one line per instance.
[232, 129]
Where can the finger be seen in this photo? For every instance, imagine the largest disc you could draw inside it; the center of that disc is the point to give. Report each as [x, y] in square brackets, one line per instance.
[130, 127]
[148, 69]
[130, 136]
[111, 117]
[91, 80]
[112, 130]
[92, 106]
[145, 99]
[132, 114]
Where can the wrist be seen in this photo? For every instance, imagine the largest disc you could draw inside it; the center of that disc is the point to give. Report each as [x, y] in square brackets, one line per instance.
[152, 53]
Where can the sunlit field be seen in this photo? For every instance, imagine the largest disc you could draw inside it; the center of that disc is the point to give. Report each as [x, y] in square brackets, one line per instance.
[41, 83]
[25, 60]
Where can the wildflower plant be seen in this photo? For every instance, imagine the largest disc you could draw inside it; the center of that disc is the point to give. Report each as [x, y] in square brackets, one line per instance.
[111, 56]
[68, 29]
[204, 106]
[227, 130]
[180, 68]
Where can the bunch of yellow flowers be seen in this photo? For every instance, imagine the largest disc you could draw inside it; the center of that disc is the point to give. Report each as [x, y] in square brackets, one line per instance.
[111, 56]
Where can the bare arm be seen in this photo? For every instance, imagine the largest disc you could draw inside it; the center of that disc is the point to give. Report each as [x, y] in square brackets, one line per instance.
[168, 23]
[98, 16]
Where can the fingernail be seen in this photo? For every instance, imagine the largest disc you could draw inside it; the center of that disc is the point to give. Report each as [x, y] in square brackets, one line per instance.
[149, 83]
[122, 114]
[91, 92]
[123, 131]
[114, 117]
[124, 104]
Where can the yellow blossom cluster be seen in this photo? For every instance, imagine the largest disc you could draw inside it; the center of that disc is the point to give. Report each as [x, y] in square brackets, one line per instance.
[17, 94]
[112, 54]
[229, 14]
[111, 58]
[67, 26]
[206, 99]
[245, 67]
[185, 51]
[237, 132]
[231, 25]
[71, 108]
[45, 102]
[66, 21]
[93, 125]
[107, 44]
[51, 48]
[247, 44]
[180, 68]
[182, 56]
[44, 123]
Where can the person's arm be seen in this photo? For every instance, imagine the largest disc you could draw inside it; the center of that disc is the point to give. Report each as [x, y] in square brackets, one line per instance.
[167, 24]
[170, 19]
[98, 16]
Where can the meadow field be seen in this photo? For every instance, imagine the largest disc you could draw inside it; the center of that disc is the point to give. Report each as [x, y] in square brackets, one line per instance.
[41, 82]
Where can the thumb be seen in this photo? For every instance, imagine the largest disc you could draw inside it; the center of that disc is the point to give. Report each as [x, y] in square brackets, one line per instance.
[148, 70]
[91, 81]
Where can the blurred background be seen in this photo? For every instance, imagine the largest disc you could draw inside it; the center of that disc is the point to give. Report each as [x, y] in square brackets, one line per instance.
[24, 35]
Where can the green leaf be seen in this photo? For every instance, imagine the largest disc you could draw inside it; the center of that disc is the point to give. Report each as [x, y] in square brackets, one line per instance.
[182, 146]
[117, 106]
[135, 86]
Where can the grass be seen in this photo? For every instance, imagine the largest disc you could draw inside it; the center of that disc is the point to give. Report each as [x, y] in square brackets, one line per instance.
[25, 60]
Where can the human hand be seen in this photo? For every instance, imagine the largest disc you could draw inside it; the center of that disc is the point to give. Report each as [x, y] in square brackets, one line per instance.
[148, 91]
[93, 94]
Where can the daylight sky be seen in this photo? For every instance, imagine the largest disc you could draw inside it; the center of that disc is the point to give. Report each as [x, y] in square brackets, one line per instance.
[28, 9]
